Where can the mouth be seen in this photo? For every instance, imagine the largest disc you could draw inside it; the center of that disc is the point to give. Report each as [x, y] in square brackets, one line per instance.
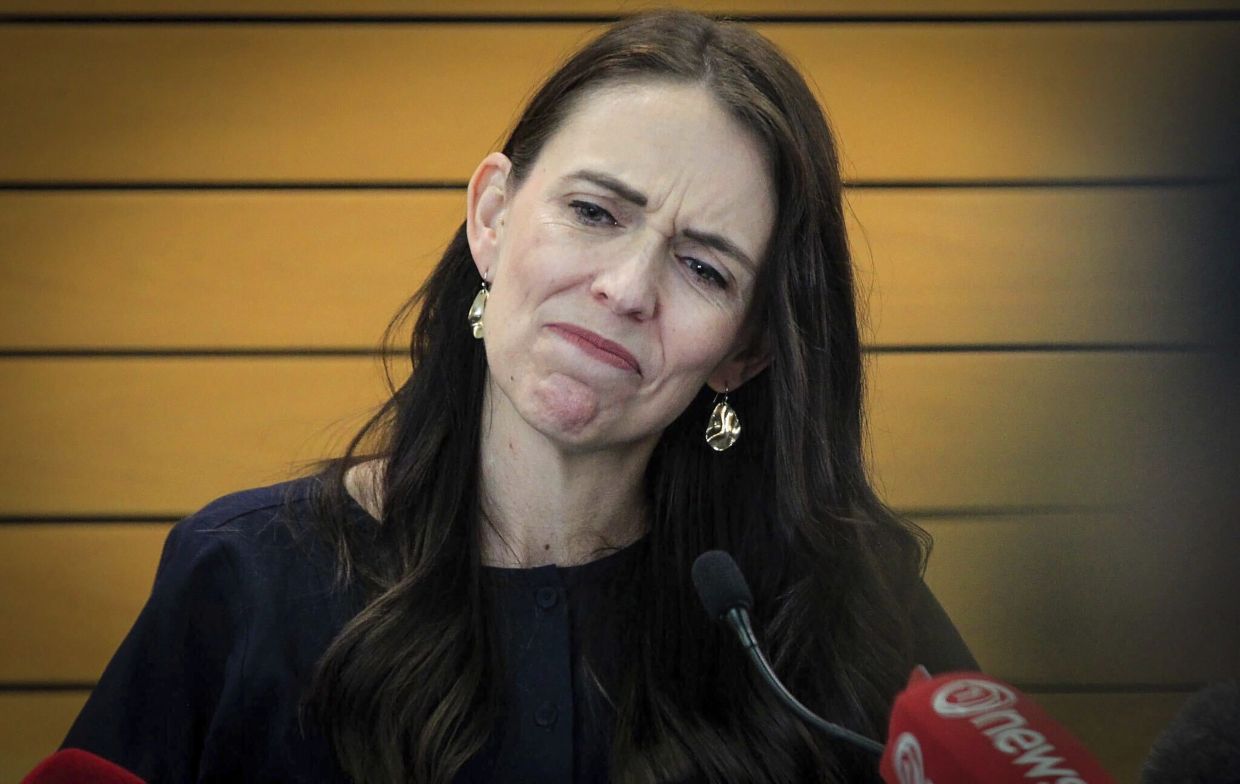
[598, 347]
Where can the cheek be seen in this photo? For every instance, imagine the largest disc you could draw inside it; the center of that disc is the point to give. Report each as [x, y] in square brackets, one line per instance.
[698, 339]
[537, 263]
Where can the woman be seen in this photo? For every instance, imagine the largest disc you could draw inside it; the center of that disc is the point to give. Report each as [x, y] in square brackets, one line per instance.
[493, 583]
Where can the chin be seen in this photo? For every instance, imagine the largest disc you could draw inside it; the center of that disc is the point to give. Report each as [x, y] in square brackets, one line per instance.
[572, 414]
[567, 410]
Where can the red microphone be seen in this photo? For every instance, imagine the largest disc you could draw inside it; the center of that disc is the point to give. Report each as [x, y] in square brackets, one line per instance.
[74, 766]
[966, 727]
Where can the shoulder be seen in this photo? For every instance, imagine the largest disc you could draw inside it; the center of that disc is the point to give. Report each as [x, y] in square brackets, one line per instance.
[236, 602]
[249, 547]
[244, 519]
[247, 511]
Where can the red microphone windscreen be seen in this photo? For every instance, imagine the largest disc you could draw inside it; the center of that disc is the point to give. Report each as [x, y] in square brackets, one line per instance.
[964, 728]
[74, 766]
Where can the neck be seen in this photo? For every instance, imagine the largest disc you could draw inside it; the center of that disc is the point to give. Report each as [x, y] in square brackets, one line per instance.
[545, 505]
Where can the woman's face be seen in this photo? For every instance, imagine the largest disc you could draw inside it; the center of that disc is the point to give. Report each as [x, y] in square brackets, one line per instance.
[623, 266]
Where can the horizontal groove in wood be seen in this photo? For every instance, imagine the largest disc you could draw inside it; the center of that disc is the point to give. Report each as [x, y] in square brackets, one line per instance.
[947, 430]
[509, 9]
[185, 102]
[320, 273]
[45, 687]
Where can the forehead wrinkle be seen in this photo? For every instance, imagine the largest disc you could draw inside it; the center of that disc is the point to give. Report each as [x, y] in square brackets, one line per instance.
[657, 168]
[614, 184]
[722, 244]
[709, 225]
[694, 227]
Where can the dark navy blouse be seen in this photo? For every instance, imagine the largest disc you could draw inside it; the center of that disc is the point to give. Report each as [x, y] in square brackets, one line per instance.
[205, 687]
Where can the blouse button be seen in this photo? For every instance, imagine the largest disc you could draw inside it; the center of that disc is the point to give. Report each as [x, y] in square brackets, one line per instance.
[547, 597]
[546, 714]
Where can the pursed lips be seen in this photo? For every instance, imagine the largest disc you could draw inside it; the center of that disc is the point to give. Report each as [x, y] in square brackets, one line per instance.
[596, 345]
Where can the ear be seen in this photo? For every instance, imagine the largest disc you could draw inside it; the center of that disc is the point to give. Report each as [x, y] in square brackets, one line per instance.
[741, 365]
[486, 203]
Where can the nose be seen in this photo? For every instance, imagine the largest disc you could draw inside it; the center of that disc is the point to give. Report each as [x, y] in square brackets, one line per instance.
[628, 283]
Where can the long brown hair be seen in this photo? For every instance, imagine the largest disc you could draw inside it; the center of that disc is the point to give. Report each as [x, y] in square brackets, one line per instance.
[408, 689]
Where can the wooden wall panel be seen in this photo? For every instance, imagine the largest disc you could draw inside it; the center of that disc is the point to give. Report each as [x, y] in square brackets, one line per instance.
[121, 436]
[1126, 598]
[945, 8]
[74, 590]
[209, 269]
[236, 102]
[1058, 266]
[1118, 728]
[165, 436]
[1039, 429]
[1011, 458]
[32, 725]
[323, 269]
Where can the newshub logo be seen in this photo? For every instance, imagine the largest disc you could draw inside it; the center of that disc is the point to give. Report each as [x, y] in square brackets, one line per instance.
[970, 697]
[986, 705]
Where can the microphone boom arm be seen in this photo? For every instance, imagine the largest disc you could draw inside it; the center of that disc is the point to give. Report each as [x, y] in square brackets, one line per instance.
[738, 619]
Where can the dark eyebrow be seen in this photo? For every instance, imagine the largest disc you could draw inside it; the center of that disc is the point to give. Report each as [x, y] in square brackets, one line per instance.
[626, 192]
[721, 244]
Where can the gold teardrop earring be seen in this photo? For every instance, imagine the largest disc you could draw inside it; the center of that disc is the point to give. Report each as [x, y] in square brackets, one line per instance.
[478, 309]
[724, 426]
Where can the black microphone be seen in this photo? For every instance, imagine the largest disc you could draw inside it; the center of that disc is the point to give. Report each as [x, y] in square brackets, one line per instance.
[726, 597]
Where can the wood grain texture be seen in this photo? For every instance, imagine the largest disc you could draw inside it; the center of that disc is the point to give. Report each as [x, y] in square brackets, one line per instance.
[133, 435]
[114, 270]
[424, 102]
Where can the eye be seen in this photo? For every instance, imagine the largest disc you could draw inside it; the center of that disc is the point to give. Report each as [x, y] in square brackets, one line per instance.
[705, 272]
[591, 214]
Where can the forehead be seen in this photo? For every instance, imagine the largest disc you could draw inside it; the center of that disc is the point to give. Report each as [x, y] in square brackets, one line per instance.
[673, 142]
